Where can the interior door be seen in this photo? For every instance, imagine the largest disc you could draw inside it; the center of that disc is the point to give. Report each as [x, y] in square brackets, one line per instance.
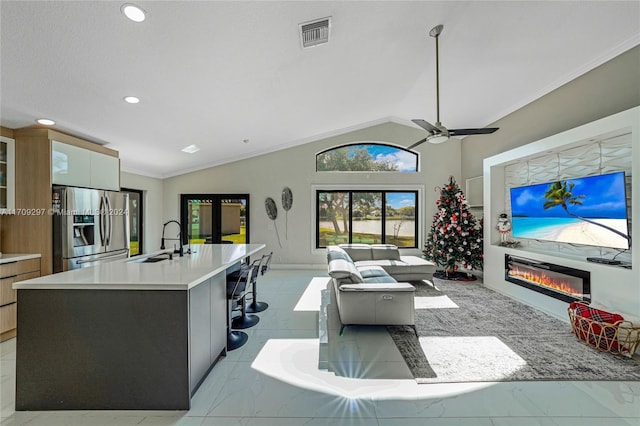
[215, 218]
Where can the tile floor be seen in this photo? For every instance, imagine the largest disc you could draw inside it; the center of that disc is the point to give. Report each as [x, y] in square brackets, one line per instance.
[278, 379]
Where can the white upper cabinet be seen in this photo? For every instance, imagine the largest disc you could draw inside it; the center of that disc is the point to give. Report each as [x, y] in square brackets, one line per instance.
[75, 166]
[105, 172]
[7, 174]
[70, 165]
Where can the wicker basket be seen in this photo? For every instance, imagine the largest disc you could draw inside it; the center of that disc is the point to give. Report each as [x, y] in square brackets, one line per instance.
[620, 338]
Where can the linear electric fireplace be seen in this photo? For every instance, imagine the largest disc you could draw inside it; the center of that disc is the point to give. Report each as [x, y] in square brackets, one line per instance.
[560, 282]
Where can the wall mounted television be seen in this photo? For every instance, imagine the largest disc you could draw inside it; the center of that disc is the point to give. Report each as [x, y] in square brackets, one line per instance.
[586, 211]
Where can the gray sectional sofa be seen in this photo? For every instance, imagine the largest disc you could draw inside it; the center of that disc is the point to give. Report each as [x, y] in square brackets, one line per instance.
[365, 279]
[387, 256]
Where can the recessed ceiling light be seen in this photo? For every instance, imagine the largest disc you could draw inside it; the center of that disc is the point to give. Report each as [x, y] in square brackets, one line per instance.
[131, 99]
[190, 149]
[45, 122]
[133, 12]
[246, 141]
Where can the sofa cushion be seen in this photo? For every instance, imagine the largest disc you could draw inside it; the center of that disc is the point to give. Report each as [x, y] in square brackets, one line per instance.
[375, 274]
[357, 251]
[409, 268]
[382, 263]
[382, 279]
[344, 271]
[384, 252]
[335, 252]
[378, 287]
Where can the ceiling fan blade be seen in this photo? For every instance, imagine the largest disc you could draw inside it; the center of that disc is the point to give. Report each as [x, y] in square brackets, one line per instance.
[420, 142]
[427, 126]
[464, 132]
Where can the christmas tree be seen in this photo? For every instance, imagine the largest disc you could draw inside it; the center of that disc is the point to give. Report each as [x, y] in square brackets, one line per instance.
[455, 238]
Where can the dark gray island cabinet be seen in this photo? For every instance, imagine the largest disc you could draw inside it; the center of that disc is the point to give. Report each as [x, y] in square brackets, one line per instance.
[124, 336]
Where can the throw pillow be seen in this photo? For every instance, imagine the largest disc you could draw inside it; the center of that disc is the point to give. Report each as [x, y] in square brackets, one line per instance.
[601, 331]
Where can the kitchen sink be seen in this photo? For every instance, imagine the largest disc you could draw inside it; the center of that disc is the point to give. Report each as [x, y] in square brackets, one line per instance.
[157, 258]
[154, 259]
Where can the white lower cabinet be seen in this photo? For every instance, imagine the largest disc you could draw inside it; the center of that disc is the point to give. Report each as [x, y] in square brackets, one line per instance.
[207, 327]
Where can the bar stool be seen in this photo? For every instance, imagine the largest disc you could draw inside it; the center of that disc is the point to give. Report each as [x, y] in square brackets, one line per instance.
[246, 279]
[236, 290]
[254, 306]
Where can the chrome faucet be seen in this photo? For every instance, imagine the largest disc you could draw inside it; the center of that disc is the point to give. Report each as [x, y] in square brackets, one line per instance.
[181, 251]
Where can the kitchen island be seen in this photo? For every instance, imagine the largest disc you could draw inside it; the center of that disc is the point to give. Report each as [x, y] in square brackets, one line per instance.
[124, 335]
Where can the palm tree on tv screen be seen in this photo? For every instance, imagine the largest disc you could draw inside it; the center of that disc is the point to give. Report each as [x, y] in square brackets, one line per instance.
[559, 195]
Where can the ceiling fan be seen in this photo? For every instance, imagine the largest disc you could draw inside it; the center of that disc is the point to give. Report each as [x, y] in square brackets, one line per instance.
[438, 133]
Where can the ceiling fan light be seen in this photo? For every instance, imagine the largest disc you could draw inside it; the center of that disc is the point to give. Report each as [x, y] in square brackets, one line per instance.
[436, 139]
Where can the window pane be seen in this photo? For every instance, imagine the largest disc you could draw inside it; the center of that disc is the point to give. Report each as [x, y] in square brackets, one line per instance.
[215, 218]
[333, 218]
[135, 221]
[199, 222]
[367, 157]
[233, 220]
[367, 217]
[400, 220]
[369, 222]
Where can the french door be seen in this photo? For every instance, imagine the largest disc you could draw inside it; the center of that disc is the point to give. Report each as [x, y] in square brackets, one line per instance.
[215, 218]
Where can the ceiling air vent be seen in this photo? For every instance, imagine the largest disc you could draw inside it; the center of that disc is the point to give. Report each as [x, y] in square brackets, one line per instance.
[315, 32]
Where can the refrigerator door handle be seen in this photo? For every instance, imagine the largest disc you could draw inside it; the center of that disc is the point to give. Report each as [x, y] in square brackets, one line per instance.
[101, 220]
[98, 259]
[109, 215]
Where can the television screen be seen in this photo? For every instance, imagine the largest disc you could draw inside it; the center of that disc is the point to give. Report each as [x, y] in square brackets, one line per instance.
[590, 211]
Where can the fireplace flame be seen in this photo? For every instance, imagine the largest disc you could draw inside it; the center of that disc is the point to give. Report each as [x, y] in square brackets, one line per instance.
[544, 280]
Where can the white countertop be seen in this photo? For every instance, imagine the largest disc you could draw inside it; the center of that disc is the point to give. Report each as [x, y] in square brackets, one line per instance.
[14, 257]
[180, 273]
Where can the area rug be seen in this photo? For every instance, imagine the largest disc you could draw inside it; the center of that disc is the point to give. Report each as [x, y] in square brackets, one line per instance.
[469, 333]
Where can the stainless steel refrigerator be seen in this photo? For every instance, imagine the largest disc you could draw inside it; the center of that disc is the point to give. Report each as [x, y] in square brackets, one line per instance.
[90, 226]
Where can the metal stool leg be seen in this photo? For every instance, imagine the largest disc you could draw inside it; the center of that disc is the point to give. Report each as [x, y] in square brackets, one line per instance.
[244, 320]
[254, 306]
[235, 339]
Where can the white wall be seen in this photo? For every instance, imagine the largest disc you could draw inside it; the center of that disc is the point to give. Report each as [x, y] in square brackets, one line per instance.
[152, 204]
[265, 176]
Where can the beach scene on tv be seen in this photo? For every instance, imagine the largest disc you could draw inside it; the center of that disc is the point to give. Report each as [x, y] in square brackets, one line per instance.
[588, 211]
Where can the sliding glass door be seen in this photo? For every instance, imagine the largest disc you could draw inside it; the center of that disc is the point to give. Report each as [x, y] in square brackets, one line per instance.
[215, 218]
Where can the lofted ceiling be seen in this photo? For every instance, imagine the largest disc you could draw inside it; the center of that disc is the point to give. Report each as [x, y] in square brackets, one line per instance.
[214, 73]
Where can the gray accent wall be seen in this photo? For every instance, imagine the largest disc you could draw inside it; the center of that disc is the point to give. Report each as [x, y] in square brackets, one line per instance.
[610, 88]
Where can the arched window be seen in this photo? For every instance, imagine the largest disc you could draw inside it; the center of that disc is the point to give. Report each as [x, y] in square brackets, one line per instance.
[367, 157]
